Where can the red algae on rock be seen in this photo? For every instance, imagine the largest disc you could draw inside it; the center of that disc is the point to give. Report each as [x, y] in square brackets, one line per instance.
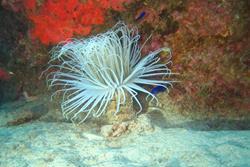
[208, 57]
[204, 18]
[55, 21]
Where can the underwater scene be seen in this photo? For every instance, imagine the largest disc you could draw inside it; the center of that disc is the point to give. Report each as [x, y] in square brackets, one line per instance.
[124, 83]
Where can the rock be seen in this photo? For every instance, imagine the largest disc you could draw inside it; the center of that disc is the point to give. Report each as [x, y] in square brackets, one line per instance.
[116, 130]
[13, 115]
[142, 124]
[106, 130]
[119, 129]
[92, 137]
[126, 112]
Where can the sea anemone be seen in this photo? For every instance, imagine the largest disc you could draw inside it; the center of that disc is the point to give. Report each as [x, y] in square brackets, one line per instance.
[92, 72]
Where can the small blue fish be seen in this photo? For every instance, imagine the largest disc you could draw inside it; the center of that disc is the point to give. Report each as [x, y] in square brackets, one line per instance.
[142, 14]
[158, 89]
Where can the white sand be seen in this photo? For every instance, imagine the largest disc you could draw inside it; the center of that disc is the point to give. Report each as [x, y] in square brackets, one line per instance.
[42, 144]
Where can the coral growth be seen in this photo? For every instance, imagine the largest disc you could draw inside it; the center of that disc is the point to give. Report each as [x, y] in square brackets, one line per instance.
[55, 21]
[204, 18]
[210, 43]
[208, 57]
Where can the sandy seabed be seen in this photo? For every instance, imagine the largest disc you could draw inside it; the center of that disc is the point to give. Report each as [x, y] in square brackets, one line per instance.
[41, 143]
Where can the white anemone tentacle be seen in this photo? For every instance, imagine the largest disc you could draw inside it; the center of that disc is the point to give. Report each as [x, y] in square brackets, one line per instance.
[92, 72]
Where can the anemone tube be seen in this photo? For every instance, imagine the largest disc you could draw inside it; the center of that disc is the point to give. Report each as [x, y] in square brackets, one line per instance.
[91, 72]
